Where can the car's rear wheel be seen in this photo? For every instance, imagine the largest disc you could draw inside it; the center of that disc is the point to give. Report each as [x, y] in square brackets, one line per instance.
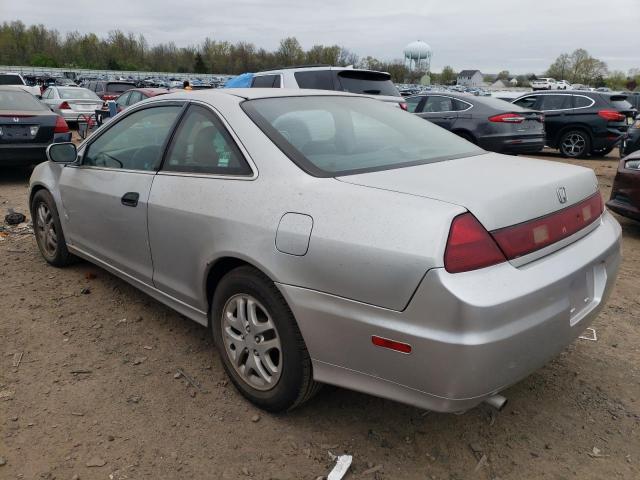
[48, 230]
[575, 144]
[258, 339]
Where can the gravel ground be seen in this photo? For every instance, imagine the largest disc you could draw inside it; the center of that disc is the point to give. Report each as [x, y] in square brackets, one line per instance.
[95, 394]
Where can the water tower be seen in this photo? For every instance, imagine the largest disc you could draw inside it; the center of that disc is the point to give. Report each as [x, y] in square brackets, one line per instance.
[417, 56]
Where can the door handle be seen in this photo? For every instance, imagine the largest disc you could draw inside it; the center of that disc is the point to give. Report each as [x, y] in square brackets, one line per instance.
[450, 117]
[130, 199]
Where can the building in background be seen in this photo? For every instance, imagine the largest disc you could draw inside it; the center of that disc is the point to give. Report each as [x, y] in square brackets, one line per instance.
[470, 78]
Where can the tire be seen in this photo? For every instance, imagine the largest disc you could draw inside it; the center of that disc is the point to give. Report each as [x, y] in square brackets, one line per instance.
[48, 230]
[575, 144]
[277, 377]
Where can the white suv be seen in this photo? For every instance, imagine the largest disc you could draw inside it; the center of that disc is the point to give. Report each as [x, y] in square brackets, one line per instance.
[563, 85]
[343, 79]
[15, 79]
[544, 84]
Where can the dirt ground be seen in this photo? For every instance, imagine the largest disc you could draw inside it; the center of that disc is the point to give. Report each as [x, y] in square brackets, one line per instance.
[95, 395]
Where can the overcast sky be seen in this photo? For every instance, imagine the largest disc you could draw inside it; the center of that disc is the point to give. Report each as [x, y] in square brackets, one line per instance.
[490, 35]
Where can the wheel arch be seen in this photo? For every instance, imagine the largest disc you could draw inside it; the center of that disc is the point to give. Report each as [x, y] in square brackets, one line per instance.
[218, 268]
[574, 126]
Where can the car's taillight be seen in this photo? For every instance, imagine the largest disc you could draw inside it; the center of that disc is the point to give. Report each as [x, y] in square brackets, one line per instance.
[61, 126]
[109, 97]
[470, 246]
[64, 106]
[507, 118]
[533, 235]
[403, 106]
[611, 115]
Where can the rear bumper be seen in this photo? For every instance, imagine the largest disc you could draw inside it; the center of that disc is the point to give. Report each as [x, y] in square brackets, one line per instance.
[72, 115]
[18, 154]
[472, 334]
[625, 208]
[512, 143]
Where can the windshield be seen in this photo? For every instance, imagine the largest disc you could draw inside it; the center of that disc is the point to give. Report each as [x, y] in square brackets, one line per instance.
[10, 80]
[19, 101]
[77, 93]
[332, 136]
[368, 83]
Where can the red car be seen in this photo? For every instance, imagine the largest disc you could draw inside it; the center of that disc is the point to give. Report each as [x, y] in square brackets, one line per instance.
[136, 95]
[625, 194]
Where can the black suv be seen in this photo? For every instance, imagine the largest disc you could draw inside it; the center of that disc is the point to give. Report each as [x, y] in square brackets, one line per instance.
[579, 123]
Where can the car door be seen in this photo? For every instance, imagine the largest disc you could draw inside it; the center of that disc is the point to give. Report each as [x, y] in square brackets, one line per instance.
[439, 109]
[555, 108]
[203, 176]
[105, 196]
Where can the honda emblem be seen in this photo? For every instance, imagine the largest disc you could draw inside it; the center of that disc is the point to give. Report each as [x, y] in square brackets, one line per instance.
[16, 119]
[562, 195]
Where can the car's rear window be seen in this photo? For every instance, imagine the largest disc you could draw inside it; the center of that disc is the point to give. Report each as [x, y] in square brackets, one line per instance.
[332, 135]
[19, 101]
[10, 80]
[77, 93]
[620, 102]
[315, 79]
[368, 83]
[120, 87]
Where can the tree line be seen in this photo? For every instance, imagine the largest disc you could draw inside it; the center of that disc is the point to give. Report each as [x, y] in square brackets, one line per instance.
[39, 46]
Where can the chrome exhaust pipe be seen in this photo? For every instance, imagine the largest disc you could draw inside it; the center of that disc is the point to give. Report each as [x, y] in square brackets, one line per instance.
[496, 401]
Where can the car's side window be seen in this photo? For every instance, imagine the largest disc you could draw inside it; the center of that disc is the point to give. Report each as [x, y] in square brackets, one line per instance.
[135, 142]
[413, 103]
[203, 145]
[437, 104]
[459, 105]
[266, 81]
[580, 101]
[123, 100]
[527, 102]
[555, 102]
[135, 98]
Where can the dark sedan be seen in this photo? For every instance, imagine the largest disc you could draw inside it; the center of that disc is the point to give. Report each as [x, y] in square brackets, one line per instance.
[580, 123]
[625, 193]
[631, 140]
[27, 128]
[490, 123]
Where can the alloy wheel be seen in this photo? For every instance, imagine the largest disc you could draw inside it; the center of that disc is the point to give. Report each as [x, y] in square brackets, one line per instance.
[574, 144]
[45, 229]
[252, 342]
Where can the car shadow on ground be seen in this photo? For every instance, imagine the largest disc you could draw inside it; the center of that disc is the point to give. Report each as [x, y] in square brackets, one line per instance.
[11, 175]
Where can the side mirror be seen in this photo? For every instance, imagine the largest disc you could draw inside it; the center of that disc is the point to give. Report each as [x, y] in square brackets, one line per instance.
[64, 152]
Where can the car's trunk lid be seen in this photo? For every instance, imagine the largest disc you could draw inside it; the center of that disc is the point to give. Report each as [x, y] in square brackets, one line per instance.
[499, 190]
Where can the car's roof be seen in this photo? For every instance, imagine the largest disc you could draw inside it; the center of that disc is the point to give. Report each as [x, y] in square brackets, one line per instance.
[317, 68]
[152, 92]
[13, 88]
[255, 93]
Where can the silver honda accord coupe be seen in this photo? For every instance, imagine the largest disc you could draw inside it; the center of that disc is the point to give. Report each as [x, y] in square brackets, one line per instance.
[330, 238]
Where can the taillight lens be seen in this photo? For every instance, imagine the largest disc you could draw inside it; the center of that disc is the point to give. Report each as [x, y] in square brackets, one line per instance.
[404, 106]
[470, 246]
[61, 126]
[109, 97]
[64, 106]
[528, 237]
[507, 118]
[611, 115]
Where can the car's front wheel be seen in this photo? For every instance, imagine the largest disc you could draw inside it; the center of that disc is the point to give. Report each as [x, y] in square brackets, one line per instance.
[258, 339]
[48, 230]
[575, 144]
